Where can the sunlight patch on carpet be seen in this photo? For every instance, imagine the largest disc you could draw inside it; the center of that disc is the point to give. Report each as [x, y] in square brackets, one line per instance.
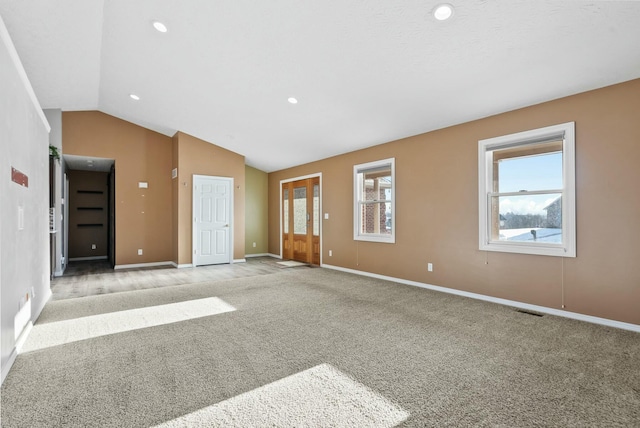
[73, 330]
[319, 396]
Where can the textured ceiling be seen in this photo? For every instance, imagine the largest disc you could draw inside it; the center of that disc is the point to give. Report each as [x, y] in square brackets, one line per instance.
[364, 71]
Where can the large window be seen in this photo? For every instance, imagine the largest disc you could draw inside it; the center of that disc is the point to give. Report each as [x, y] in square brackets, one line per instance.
[527, 192]
[374, 197]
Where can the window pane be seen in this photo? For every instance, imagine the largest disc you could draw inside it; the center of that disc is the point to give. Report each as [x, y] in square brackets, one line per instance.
[528, 218]
[376, 184]
[374, 218]
[535, 172]
[300, 210]
[374, 201]
[285, 210]
[316, 210]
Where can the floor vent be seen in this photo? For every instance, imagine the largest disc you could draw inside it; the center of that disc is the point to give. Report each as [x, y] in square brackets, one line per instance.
[524, 311]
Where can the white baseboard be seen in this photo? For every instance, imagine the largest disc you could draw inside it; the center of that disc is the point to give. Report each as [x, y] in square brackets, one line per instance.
[543, 309]
[277, 256]
[16, 350]
[184, 265]
[239, 261]
[247, 256]
[8, 365]
[23, 338]
[81, 259]
[143, 265]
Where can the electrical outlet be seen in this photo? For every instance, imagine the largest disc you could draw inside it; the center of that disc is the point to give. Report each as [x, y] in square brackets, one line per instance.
[430, 267]
[93, 246]
[254, 245]
[330, 253]
[139, 251]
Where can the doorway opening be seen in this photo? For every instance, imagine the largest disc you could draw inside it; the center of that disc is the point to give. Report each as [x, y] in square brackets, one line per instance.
[91, 231]
[300, 219]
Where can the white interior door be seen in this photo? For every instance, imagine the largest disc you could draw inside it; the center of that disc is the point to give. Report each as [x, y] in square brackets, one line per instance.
[212, 220]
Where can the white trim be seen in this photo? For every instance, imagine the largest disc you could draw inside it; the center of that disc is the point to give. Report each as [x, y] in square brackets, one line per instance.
[357, 236]
[15, 58]
[485, 183]
[275, 256]
[81, 259]
[239, 261]
[143, 265]
[289, 180]
[23, 336]
[248, 256]
[194, 237]
[8, 365]
[184, 265]
[58, 273]
[551, 311]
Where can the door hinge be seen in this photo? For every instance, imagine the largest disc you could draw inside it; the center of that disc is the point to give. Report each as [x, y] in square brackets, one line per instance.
[194, 252]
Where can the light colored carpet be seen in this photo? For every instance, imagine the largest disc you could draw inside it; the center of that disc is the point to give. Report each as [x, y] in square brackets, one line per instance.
[46, 335]
[317, 397]
[443, 360]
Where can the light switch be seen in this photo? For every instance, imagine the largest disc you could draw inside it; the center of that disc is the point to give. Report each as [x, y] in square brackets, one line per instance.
[143, 184]
[326, 216]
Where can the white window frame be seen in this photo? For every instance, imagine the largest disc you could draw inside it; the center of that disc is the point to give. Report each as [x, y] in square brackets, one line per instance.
[564, 131]
[357, 218]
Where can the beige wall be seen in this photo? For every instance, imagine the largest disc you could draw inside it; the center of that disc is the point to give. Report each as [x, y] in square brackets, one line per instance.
[437, 210]
[143, 216]
[256, 209]
[199, 157]
[81, 238]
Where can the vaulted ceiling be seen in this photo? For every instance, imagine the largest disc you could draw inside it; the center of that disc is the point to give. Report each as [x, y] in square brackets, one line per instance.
[364, 71]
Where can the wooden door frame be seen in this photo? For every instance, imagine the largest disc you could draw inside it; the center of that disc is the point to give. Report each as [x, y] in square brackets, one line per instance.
[289, 180]
[194, 231]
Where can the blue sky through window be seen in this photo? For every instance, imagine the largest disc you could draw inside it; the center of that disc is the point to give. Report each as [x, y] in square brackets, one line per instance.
[539, 172]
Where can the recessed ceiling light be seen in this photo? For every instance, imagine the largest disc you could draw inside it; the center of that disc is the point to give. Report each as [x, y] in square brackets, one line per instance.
[160, 26]
[443, 12]
[134, 97]
[292, 100]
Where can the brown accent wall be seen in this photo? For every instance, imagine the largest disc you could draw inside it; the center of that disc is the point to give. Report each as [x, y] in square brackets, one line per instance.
[437, 209]
[196, 156]
[143, 216]
[256, 209]
[88, 213]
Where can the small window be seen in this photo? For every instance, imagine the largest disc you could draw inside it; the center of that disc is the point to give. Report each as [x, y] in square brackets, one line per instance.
[374, 197]
[527, 192]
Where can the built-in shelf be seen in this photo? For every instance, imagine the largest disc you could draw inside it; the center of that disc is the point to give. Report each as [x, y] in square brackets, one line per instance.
[93, 192]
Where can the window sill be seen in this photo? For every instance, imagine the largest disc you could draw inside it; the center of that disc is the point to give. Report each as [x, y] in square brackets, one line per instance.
[538, 249]
[376, 238]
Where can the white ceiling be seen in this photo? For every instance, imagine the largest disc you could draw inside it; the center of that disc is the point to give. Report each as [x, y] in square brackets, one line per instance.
[87, 163]
[364, 71]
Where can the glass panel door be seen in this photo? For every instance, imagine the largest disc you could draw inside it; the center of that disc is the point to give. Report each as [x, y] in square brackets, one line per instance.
[300, 216]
